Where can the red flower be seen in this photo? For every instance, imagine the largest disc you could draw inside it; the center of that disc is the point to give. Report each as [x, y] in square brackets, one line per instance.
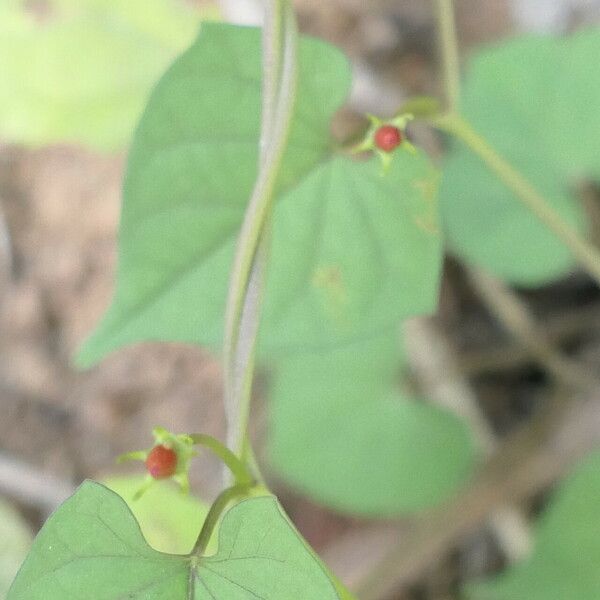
[161, 462]
[388, 138]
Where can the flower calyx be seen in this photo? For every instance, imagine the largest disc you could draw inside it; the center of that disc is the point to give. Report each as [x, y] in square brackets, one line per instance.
[384, 137]
[168, 458]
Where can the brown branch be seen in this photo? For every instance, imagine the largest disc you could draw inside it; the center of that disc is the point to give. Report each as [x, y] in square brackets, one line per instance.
[32, 486]
[433, 361]
[515, 317]
[559, 329]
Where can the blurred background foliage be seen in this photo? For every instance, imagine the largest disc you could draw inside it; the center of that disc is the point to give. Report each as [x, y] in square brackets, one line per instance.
[79, 71]
[74, 78]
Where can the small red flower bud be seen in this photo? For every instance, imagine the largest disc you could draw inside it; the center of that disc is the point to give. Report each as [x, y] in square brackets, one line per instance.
[388, 138]
[161, 462]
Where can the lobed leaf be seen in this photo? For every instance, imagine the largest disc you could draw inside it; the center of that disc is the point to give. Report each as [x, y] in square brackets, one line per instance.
[92, 547]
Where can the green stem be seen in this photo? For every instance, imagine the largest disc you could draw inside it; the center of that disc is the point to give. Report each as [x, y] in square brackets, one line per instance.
[249, 459]
[586, 254]
[239, 470]
[214, 514]
[245, 351]
[449, 52]
[247, 278]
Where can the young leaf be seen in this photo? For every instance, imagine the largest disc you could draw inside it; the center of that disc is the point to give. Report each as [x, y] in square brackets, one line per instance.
[82, 73]
[565, 560]
[340, 433]
[92, 548]
[169, 520]
[535, 100]
[353, 251]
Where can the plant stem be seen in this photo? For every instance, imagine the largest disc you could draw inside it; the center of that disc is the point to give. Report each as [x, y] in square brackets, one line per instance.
[239, 470]
[247, 278]
[586, 254]
[214, 514]
[449, 52]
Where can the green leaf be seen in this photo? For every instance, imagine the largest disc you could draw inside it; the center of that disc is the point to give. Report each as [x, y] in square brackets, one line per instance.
[343, 435]
[566, 558]
[82, 74]
[353, 251]
[15, 540]
[261, 556]
[92, 548]
[535, 100]
[169, 519]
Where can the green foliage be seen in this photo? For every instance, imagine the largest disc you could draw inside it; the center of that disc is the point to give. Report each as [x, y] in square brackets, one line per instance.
[353, 251]
[170, 520]
[92, 548]
[82, 74]
[343, 434]
[15, 540]
[565, 562]
[535, 100]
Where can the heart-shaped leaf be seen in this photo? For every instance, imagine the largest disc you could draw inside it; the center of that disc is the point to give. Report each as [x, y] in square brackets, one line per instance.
[353, 251]
[342, 434]
[535, 100]
[566, 558]
[92, 548]
[169, 520]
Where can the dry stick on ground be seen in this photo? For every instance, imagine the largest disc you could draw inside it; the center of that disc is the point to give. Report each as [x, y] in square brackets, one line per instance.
[31, 486]
[444, 385]
[515, 317]
[558, 329]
